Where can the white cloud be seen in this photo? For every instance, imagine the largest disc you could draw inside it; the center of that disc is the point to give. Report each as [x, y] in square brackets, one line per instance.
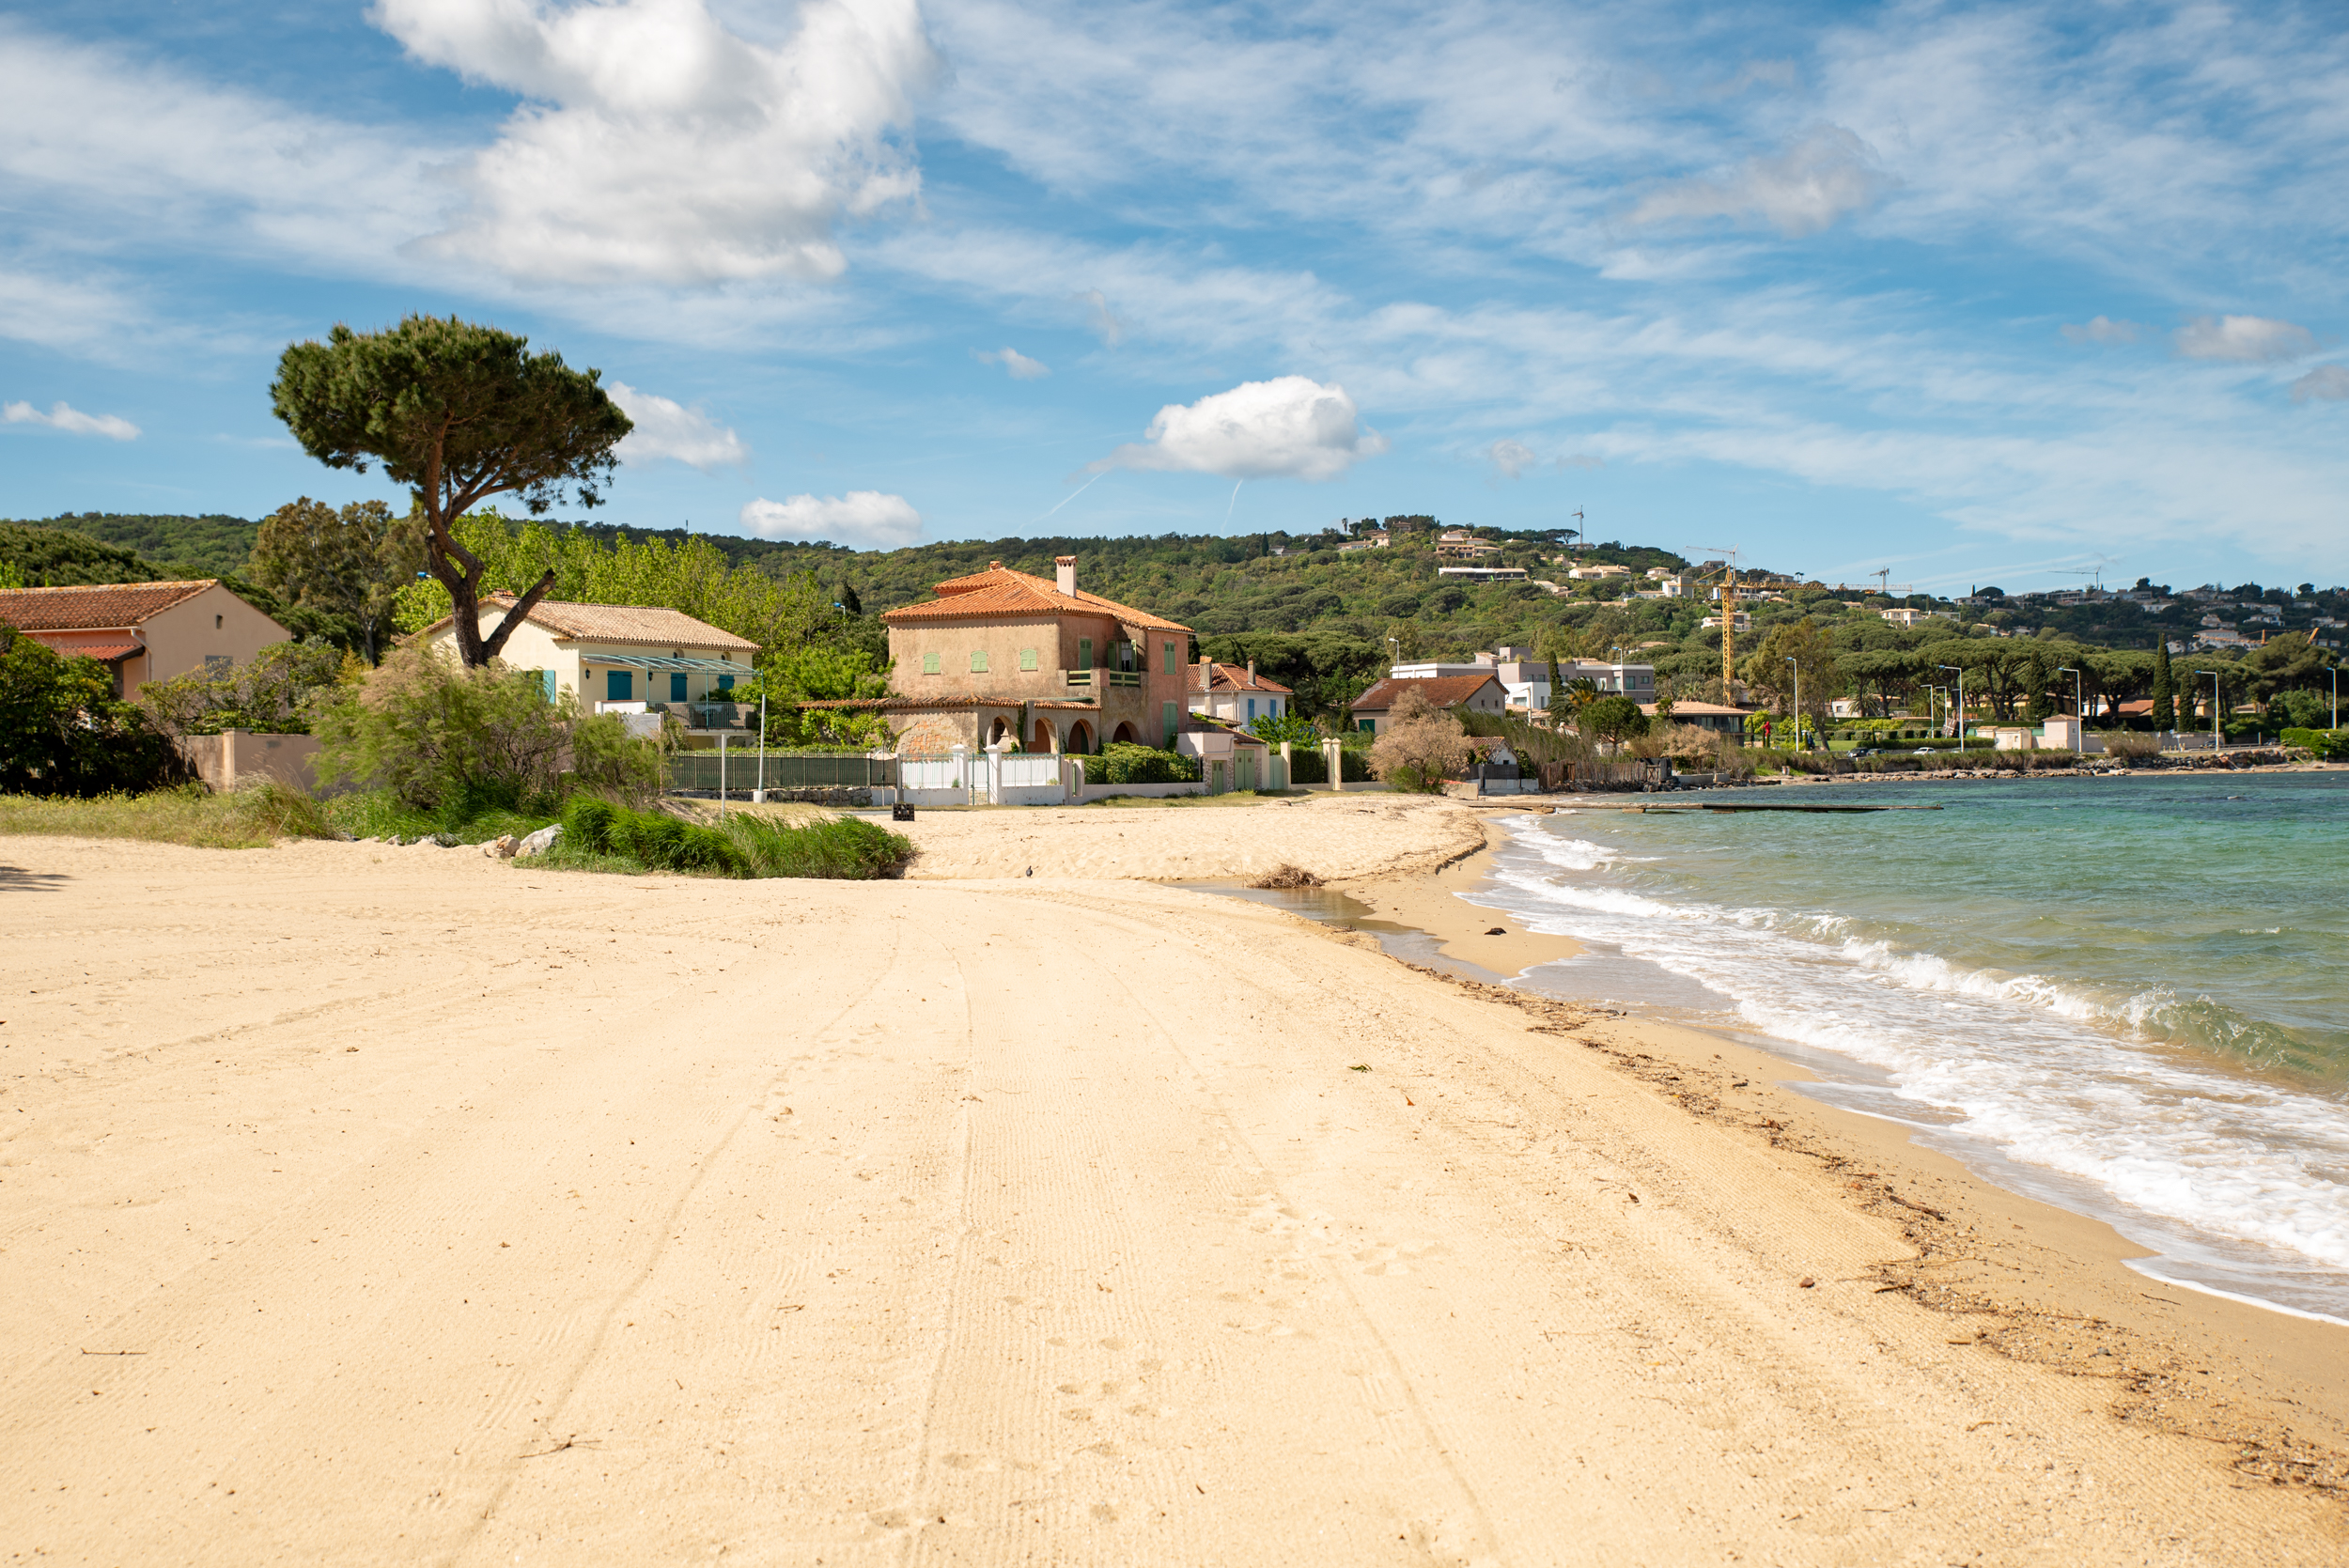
[2244, 338]
[1020, 366]
[657, 145]
[2103, 329]
[866, 519]
[2328, 381]
[1581, 460]
[1100, 318]
[1290, 428]
[1511, 458]
[670, 429]
[64, 416]
[1806, 188]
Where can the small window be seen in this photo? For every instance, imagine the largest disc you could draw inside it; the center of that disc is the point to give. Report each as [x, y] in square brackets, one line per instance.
[218, 622]
[677, 686]
[1169, 658]
[978, 661]
[1084, 653]
[1252, 709]
[1027, 658]
[619, 686]
[929, 664]
[726, 683]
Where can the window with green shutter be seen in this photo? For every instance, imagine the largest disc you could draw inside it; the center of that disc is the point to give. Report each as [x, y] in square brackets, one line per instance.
[929, 664]
[1027, 658]
[1084, 653]
[1169, 658]
[978, 661]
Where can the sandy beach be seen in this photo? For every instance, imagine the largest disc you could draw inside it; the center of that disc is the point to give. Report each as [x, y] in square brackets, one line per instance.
[367, 1205]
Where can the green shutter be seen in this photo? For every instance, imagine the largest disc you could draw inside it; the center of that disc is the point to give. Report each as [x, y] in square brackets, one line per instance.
[1084, 653]
[929, 664]
[978, 661]
[1027, 658]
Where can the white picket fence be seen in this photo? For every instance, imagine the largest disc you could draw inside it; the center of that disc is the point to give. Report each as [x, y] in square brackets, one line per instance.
[982, 779]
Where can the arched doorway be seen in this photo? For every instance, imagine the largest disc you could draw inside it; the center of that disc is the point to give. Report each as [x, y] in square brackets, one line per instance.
[1124, 734]
[1047, 738]
[1081, 738]
[1001, 727]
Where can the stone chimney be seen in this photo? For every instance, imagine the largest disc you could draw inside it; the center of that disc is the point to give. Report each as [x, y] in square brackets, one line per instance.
[1065, 568]
[1251, 672]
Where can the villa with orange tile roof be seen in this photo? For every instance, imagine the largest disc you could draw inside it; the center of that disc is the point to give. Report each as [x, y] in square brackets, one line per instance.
[145, 631]
[1002, 655]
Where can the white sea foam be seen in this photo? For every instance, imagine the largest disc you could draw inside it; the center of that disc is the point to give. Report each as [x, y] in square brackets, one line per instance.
[2045, 1073]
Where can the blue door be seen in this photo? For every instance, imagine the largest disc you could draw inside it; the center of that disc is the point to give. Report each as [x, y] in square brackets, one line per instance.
[619, 686]
[677, 686]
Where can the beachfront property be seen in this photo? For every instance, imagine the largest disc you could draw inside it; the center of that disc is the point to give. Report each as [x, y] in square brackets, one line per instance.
[1525, 679]
[1480, 692]
[1002, 656]
[1459, 544]
[1704, 716]
[1237, 692]
[144, 632]
[621, 659]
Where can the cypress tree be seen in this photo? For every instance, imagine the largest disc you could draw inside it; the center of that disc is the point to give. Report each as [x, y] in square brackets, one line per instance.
[2165, 689]
[1559, 701]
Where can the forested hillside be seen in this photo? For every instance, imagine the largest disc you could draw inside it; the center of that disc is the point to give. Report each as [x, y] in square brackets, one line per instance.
[1327, 622]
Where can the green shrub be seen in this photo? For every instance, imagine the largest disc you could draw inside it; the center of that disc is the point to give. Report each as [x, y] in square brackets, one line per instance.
[457, 744]
[64, 732]
[651, 839]
[1122, 762]
[2324, 745]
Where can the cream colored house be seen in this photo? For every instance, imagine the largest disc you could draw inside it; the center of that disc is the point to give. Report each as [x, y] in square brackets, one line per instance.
[1236, 692]
[618, 657]
[145, 631]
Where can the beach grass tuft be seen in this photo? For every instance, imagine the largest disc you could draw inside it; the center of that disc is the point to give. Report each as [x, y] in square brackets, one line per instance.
[600, 835]
[252, 817]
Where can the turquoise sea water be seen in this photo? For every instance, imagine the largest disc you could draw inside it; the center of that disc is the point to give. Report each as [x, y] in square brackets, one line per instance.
[2129, 995]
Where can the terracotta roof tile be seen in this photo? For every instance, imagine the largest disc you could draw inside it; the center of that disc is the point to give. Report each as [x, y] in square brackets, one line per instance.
[1439, 691]
[644, 625]
[999, 590]
[94, 607]
[1211, 677]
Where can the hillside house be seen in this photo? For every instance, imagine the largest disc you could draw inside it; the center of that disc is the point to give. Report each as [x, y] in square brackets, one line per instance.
[144, 632]
[1000, 655]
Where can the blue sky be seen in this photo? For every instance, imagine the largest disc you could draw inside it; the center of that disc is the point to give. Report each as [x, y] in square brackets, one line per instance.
[1980, 293]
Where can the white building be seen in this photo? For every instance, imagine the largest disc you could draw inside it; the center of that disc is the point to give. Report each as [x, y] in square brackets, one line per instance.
[1484, 574]
[617, 658]
[1236, 694]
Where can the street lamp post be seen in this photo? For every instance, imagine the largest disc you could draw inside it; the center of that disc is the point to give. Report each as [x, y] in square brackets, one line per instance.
[1960, 725]
[2218, 740]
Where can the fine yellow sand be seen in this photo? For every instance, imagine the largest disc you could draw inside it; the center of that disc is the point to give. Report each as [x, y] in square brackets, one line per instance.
[370, 1205]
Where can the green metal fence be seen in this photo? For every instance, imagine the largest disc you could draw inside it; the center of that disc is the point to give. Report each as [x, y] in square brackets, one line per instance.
[703, 772]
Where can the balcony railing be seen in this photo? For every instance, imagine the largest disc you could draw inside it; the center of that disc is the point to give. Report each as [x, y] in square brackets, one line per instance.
[1083, 680]
[1123, 677]
[1080, 680]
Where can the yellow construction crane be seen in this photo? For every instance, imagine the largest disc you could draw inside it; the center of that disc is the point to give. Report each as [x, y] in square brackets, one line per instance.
[1729, 624]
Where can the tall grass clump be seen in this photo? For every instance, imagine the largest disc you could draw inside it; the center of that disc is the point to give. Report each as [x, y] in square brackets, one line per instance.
[251, 818]
[842, 849]
[599, 835]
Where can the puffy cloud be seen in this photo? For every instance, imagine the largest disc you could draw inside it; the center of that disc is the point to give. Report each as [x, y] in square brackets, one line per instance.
[670, 429]
[1806, 188]
[64, 416]
[2103, 329]
[1020, 366]
[2242, 338]
[2328, 381]
[656, 145]
[1290, 428]
[1512, 458]
[865, 518]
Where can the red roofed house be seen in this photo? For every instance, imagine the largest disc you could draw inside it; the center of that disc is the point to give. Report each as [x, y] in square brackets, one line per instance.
[145, 631]
[1240, 695]
[1483, 694]
[1002, 654]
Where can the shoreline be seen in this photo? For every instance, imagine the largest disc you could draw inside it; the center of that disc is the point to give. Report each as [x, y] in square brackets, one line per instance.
[1070, 1219]
[2295, 1360]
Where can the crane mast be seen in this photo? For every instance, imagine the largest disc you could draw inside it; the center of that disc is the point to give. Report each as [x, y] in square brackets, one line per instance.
[1729, 623]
